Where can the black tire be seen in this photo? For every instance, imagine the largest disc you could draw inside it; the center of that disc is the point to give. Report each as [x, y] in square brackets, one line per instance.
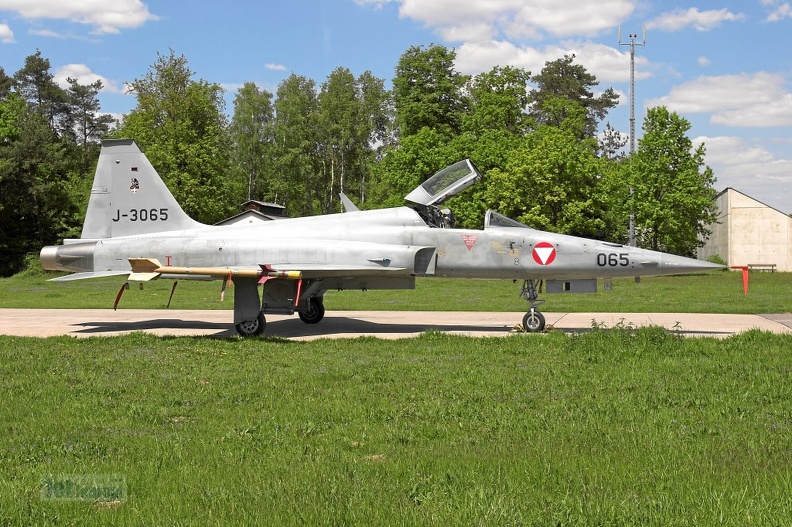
[314, 311]
[252, 328]
[534, 322]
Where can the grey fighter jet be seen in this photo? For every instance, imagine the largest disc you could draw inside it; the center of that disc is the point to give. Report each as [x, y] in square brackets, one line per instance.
[135, 228]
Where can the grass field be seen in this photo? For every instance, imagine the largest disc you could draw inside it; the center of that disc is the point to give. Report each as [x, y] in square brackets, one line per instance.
[612, 427]
[616, 427]
[714, 292]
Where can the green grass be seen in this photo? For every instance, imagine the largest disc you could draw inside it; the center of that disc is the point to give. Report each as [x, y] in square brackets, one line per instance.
[714, 292]
[616, 427]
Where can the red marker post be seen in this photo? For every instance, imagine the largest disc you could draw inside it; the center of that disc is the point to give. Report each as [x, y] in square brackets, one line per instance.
[744, 269]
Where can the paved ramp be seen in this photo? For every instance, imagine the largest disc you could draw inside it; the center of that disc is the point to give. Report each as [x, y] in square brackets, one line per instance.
[382, 324]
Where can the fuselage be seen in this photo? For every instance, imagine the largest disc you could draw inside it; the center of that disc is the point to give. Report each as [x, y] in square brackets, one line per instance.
[386, 240]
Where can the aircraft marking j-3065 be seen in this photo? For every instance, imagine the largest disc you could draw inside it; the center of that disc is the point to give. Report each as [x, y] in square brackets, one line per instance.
[133, 224]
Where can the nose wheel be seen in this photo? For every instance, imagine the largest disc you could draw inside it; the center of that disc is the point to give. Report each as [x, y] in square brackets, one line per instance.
[533, 321]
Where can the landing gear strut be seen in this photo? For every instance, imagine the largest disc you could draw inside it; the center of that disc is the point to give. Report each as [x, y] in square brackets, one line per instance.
[533, 321]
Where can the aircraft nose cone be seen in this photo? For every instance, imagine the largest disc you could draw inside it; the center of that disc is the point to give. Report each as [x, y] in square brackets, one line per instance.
[672, 264]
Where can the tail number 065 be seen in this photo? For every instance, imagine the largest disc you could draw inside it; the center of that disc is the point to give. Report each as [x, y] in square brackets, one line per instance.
[613, 260]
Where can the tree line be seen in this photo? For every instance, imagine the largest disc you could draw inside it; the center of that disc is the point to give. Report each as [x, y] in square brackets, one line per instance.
[550, 159]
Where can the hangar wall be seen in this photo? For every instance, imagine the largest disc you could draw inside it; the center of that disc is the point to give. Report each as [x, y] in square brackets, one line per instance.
[749, 232]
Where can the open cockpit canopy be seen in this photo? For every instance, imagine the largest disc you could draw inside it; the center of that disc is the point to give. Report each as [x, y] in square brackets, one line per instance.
[445, 184]
[440, 187]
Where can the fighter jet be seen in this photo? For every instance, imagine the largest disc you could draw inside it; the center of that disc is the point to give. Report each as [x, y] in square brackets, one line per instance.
[135, 228]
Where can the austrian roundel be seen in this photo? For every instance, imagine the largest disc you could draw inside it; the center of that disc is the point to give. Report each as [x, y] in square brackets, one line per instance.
[544, 253]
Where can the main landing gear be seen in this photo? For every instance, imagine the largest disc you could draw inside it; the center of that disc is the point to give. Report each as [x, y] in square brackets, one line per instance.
[313, 312]
[252, 328]
[279, 298]
[533, 321]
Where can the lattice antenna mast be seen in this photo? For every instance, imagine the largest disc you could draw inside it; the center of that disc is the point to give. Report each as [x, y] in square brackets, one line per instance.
[632, 44]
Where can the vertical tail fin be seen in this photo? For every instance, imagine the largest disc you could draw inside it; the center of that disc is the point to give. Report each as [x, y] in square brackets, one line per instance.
[128, 196]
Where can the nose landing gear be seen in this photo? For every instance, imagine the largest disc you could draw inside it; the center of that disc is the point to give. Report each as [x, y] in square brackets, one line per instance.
[533, 321]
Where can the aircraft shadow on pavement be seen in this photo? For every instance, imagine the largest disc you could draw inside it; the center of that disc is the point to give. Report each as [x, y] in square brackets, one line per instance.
[106, 326]
[354, 326]
[286, 328]
[334, 326]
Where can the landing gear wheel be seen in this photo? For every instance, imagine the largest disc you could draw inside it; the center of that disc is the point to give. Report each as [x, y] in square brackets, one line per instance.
[533, 321]
[252, 328]
[314, 311]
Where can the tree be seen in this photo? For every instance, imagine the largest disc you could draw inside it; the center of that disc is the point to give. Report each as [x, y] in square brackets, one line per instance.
[6, 83]
[611, 143]
[551, 180]
[295, 134]
[418, 157]
[498, 99]
[35, 84]
[340, 145]
[373, 127]
[180, 124]
[352, 123]
[427, 91]
[673, 195]
[89, 124]
[563, 79]
[35, 208]
[251, 135]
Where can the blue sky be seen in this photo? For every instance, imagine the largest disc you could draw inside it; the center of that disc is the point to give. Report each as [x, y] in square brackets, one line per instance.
[724, 66]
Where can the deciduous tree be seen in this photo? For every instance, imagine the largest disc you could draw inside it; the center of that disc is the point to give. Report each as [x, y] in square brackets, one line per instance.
[181, 126]
[295, 133]
[551, 181]
[427, 91]
[251, 135]
[673, 195]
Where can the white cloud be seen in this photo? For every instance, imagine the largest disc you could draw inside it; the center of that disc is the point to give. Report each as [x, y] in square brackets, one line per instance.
[606, 63]
[6, 35]
[576, 17]
[516, 19]
[104, 16]
[376, 3]
[274, 67]
[700, 20]
[733, 151]
[84, 76]
[745, 100]
[749, 168]
[49, 33]
[783, 11]
[703, 61]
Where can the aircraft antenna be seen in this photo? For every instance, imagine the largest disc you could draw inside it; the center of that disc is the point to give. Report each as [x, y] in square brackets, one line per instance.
[632, 44]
